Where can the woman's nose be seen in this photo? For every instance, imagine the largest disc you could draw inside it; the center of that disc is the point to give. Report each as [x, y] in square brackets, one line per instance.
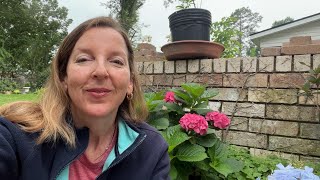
[100, 70]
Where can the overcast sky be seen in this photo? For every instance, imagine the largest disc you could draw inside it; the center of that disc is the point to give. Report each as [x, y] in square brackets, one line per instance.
[155, 15]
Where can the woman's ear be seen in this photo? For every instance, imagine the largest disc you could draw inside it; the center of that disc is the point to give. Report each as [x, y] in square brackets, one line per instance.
[64, 84]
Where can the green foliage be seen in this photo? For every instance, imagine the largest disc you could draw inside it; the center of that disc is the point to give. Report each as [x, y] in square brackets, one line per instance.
[225, 33]
[191, 154]
[255, 167]
[7, 85]
[247, 23]
[31, 31]
[310, 89]
[183, 4]
[127, 13]
[282, 21]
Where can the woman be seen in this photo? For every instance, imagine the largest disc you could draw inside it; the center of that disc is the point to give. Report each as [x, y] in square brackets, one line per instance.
[89, 121]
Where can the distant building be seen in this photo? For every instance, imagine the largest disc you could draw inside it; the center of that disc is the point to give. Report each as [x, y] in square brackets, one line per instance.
[276, 36]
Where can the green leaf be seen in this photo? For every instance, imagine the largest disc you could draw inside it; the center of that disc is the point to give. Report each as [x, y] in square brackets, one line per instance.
[191, 152]
[182, 96]
[227, 166]
[162, 123]
[196, 90]
[208, 94]
[211, 131]
[203, 165]
[173, 172]
[206, 141]
[218, 151]
[174, 136]
[174, 107]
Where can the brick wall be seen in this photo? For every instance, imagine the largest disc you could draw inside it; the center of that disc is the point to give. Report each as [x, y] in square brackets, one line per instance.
[261, 95]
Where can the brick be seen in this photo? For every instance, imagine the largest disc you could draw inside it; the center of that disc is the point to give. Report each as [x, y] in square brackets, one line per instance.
[169, 67]
[301, 49]
[283, 63]
[146, 52]
[245, 80]
[285, 44]
[219, 65]
[288, 96]
[271, 51]
[230, 94]
[234, 65]
[294, 113]
[193, 66]
[300, 40]
[266, 153]
[146, 80]
[139, 67]
[316, 61]
[249, 64]
[148, 67]
[163, 80]
[181, 66]
[311, 100]
[273, 127]
[243, 109]
[305, 59]
[311, 131]
[206, 65]
[315, 41]
[294, 145]
[215, 106]
[239, 123]
[247, 139]
[292, 80]
[158, 67]
[146, 46]
[179, 79]
[207, 79]
[310, 159]
[266, 64]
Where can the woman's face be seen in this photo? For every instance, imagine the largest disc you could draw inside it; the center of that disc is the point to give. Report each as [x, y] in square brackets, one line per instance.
[98, 74]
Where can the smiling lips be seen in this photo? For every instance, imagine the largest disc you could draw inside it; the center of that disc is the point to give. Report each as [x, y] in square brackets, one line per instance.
[98, 92]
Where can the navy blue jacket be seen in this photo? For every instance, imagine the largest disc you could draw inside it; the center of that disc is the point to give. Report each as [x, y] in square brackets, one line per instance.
[22, 158]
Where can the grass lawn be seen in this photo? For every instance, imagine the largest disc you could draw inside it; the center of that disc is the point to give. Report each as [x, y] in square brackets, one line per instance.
[6, 98]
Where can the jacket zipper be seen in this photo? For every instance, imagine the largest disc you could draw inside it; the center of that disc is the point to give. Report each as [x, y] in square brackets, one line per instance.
[124, 156]
[68, 164]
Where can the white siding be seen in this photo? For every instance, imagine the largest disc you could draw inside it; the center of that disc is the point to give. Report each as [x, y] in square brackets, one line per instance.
[276, 39]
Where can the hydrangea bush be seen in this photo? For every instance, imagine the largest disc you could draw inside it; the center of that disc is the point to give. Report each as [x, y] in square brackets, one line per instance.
[291, 173]
[186, 122]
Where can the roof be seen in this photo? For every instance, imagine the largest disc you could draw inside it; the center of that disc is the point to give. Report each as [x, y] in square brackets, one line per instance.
[295, 23]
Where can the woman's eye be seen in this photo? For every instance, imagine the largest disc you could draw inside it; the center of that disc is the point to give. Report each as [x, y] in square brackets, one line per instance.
[117, 61]
[82, 59]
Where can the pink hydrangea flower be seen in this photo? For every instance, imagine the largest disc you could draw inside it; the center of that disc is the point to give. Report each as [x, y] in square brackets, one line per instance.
[219, 120]
[194, 122]
[169, 97]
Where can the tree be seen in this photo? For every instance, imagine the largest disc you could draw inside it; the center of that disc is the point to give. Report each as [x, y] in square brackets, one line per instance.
[282, 21]
[126, 12]
[32, 30]
[225, 33]
[247, 23]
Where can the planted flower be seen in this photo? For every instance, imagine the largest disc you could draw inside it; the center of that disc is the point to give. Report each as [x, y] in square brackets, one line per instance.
[185, 120]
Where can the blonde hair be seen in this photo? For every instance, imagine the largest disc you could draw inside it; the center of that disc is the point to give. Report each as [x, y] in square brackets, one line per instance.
[48, 116]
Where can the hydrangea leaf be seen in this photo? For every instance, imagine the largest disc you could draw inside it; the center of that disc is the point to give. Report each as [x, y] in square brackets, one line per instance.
[208, 94]
[206, 141]
[174, 136]
[161, 123]
[196, 90]
[227, 166]
[191, 152]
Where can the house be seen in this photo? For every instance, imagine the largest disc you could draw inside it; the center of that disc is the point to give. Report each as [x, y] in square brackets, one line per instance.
[301, 32]
[275, 36]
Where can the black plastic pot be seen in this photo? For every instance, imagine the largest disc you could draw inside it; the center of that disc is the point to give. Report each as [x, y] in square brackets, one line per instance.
[190, 24]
